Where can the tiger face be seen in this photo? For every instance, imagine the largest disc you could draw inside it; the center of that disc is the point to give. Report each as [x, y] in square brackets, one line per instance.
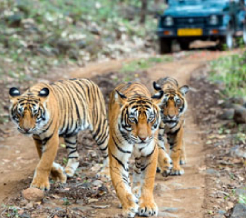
[139, 118]
[28, 111]
[173, 105]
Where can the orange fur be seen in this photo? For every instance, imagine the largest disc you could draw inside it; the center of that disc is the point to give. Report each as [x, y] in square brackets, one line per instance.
[172, 112]
[134, 118]
[63, 108]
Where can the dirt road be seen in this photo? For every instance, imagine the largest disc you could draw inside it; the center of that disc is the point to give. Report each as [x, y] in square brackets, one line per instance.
[180, 196]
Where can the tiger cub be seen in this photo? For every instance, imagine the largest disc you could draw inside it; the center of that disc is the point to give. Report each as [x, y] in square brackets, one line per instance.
[60, 109]
[134, 120]
[173, 110]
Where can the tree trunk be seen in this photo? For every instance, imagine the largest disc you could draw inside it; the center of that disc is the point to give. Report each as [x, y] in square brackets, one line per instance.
[143, 11]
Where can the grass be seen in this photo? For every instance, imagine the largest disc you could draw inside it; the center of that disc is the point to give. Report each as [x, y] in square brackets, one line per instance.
[231, 71]
[242, 199]
[144, 63]
[130, 70]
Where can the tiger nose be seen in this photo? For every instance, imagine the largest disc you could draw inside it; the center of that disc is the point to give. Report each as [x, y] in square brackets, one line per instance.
[142, 139]
[171, 116]
[26, 129]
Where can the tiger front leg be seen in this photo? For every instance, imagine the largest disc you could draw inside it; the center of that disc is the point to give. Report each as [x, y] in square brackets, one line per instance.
[73, 155]
[137, 178]
[57, 171]
[47, 157]
[183, 154]
[103, 146]
[164, 160]
[147, 205]
[176, 147]
[104, 171]
[120, 179]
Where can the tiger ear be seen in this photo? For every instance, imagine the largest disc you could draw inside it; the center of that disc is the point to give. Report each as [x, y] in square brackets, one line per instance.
[156, 86]
[44, 92]
[158, 97]
[13, 94]
[119, 97]
[184, 89]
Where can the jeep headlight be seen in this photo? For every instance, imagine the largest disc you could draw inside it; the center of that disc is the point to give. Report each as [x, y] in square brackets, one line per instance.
[213, 20]
[168, 21]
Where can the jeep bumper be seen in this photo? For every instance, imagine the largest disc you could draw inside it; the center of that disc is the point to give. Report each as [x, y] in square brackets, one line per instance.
[213, 32]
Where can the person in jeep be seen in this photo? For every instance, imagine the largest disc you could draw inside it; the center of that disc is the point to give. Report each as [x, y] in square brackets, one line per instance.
[213, 20]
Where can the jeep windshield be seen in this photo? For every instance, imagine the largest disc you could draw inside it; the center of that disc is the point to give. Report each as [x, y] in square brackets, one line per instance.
[193, 2]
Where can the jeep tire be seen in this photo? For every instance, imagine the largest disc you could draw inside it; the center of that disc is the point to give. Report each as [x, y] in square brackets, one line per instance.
[165, 45]
[184, 46]
[244, 33]
[228, 38]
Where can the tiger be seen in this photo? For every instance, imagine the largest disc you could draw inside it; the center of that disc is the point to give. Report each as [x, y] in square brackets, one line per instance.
[173, 110]
[134, 119]
[47, 111]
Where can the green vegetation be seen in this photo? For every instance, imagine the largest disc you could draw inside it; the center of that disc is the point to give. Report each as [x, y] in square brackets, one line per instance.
[242, 199]
[230, 71]
[240, 138]
[36, 35]
[9, 211]
[66, 201]
[64, 160]
[130, 70]
[144, 63]
[39, 37]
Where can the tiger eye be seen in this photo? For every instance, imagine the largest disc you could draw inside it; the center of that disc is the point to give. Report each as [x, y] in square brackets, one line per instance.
[131, 119]
[178, 101]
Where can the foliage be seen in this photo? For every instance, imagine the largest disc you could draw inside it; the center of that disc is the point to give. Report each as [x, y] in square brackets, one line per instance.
[37, 36]
[10, 211]
[231, 71]
[242, 199]
[144, 63]
[240, 137]
[72, 30]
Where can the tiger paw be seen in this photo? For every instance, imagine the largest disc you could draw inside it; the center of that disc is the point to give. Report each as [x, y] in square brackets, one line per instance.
[58, 174]
[165, 164]
[166, 172]
[130, 212]
[182, 161]
[130, 206]
[177, 171]
[41, 182]
[71, 168]
[104, 173]
[166, 169]
[147, 208]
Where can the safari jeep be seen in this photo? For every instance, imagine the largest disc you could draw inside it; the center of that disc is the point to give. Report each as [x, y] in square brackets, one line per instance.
[189, 20]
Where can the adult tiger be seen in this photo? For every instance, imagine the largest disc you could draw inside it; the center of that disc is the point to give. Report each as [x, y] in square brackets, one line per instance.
[63, 108]
[172, 114]
[134, 119]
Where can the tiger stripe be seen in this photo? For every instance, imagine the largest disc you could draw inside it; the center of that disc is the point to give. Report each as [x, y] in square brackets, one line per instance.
[134, 119]
[60, 109]
[173, 110]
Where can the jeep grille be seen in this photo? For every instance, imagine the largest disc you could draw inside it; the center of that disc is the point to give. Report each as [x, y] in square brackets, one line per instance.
[184, 22]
